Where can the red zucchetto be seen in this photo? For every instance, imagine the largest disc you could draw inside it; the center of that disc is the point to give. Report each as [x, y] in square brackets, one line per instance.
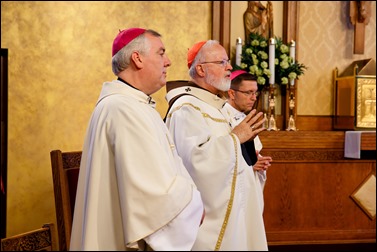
[193, 51]
[124, 37]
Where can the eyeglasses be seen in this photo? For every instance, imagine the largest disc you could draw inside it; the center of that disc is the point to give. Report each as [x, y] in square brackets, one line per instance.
[223, 62]
[248, 93]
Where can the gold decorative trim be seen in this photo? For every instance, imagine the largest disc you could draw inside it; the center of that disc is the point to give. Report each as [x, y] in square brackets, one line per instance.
[205, 115]
[366, 102]
[230, 203]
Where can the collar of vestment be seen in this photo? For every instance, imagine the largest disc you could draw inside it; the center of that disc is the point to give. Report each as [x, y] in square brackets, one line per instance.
[236, 114]
[118, 87]
[198, 92]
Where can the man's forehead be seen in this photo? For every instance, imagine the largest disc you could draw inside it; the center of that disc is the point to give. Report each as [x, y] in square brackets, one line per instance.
[249, 83]
[215, 50]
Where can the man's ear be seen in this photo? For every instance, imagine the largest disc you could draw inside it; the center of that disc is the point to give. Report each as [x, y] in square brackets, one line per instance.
[137, 59]
[231, 94]
[199, 70]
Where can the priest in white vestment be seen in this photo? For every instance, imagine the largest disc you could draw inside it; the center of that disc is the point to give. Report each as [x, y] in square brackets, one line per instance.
[242, 97]
[133, 191]
[211, 151]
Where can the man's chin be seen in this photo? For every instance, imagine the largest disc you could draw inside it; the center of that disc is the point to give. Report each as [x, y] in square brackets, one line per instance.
[224, 87]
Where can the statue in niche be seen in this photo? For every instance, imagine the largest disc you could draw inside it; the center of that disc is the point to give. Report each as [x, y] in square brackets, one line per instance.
[258, 19]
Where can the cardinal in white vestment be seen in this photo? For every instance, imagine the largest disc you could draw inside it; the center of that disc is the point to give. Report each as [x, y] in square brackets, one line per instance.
[211, 151]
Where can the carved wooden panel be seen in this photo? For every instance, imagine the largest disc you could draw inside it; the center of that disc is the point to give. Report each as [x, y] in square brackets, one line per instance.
[308, 194]
[310, 203]
[65, 171]
[42, 239]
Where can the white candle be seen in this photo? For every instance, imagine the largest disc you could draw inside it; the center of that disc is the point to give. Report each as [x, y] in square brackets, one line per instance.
[271, 60]
[292, 54]
[292, 50]
[238, 51]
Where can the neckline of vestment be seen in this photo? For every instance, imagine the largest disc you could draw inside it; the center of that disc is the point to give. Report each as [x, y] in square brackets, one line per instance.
[199, 93]
[117, 87]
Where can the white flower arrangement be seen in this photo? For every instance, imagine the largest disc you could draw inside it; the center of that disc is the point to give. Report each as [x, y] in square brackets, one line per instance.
[254, 59]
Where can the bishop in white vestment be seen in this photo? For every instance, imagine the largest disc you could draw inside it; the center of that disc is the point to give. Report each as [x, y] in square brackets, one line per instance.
[133, 191]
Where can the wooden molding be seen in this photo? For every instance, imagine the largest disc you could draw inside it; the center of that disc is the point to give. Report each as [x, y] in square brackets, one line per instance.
[290, 32]
[314, 123]
[291, 17]
[221, 23]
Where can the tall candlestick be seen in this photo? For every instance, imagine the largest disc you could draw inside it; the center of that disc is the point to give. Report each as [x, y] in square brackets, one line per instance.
[238, 51]
[292, 54]
[271, 60]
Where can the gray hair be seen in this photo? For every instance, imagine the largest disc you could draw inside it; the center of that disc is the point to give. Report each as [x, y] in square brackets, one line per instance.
[200, 56]
[121, 60]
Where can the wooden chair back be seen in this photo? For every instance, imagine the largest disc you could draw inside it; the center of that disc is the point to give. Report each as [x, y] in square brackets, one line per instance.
[65, 172]
[41, 239]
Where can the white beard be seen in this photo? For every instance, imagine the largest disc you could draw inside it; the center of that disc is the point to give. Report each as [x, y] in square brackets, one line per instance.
[223, 84]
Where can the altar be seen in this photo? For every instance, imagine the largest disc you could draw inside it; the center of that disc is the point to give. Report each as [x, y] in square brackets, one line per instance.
[312, 190]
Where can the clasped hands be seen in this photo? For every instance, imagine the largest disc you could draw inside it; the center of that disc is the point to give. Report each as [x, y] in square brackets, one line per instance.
[263, 163]
[250, 127]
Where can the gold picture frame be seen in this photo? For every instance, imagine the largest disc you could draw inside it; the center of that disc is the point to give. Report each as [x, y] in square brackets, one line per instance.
[366, 102]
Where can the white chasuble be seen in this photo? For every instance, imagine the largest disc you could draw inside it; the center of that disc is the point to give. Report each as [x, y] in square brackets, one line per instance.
[132, 184]
[211, 154]
[260, 176]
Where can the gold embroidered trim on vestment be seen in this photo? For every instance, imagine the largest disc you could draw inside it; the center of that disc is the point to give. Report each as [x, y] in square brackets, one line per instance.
[197, 108]
[230, 203]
